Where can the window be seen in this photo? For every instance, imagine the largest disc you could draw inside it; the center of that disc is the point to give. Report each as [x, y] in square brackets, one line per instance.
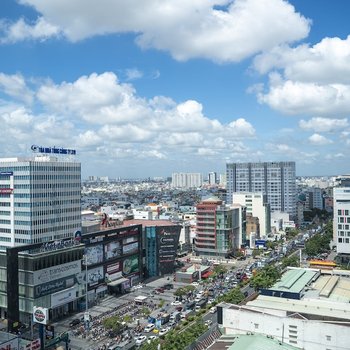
[256, 325]
[340, 240]
[328, 337]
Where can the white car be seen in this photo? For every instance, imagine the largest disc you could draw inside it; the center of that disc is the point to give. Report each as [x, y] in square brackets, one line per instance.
[208, 322]
[151, 338]
[176, 303]
[141, 339]
[163, 331]
[213, 310]
[149, 328]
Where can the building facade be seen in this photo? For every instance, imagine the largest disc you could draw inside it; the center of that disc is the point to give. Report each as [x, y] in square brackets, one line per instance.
[186, 180]
[274, 179]
[256, 206]
[40, 200]
[219, 228]
[341, 219]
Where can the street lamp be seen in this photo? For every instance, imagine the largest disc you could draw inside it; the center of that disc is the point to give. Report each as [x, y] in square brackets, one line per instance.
[86, 315]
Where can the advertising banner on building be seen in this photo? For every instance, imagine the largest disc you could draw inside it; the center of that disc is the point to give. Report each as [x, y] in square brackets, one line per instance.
[131, 265]
[112, 250]
[94, 254]
[167, 241]
[95, 276]
[64, 297]
[56, 272]
[131, 248]
[53, 287]
[113, 268]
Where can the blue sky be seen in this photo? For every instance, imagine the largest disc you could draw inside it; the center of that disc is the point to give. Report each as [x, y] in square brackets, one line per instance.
[147, 88]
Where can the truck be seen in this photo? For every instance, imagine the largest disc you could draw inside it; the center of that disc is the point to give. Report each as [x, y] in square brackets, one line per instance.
[201, 303]
[158, 318]
[186, 314]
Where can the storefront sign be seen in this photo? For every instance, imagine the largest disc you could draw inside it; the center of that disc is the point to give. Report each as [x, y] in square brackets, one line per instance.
[56, 272]
[168, 240]
[40, 314]
[53, 287]
[113, 268]
[6, 173]
[6, 190]
[52, 150]
[130, 240]
[63, 297]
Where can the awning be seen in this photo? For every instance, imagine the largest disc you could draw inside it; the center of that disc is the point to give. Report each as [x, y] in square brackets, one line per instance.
[117, 282]
[207, 274]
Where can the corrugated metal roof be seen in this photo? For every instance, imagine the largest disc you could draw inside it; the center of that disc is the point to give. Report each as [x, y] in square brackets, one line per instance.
[294, 280]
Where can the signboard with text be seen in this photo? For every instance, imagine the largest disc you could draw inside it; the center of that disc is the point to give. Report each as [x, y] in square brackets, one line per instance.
[56, 272]
[167, 240]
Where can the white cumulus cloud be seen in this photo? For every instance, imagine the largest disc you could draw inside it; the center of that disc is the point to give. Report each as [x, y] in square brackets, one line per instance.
[320, 140]
[319, 124]
[185, 29]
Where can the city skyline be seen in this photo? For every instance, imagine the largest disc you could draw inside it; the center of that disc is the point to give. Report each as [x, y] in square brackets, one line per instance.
[186, 87]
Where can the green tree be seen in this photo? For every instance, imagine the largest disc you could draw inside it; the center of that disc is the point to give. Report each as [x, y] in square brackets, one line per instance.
[265, 278]
[290, 261]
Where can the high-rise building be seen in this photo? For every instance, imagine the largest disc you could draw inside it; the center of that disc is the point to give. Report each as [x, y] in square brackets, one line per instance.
[256, 206]
[212, 178]
[274, 179]
[341, 221]
[186, 180]
[40, 200]
[219, 228]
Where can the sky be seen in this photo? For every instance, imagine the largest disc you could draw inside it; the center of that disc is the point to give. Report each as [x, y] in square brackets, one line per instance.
[145, 88]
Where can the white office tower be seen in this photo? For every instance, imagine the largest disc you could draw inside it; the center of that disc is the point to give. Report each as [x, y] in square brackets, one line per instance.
[274, 179]
[212, 178]
[40, 200]
[186, 180]
[341, 198]
[257, 206]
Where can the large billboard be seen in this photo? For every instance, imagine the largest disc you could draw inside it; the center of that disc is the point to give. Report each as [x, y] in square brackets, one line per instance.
[94, 254]
[131, 265]
[167, 241]
[131, 248]
[95, 276]
[112, 250]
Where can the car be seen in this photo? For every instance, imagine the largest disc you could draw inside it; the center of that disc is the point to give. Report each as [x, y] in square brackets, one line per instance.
[149, 328]
[159, 290]
[151, 338]
[208, 323]
[140, 340]
[213, 310]
[178, 308]
[196, 284]
[74, 322]
[176, 303]
[163, 331]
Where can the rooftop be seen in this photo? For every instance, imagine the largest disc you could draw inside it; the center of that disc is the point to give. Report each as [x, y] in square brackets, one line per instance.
[249, 342]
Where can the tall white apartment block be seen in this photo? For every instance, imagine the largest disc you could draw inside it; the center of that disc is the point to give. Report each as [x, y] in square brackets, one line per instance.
[274, 179]
[186, 180]
[256, 205]
[40, 200]
[341, 215]
[212, 178]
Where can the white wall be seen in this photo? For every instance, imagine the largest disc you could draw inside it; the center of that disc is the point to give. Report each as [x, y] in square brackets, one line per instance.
[310, 335]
